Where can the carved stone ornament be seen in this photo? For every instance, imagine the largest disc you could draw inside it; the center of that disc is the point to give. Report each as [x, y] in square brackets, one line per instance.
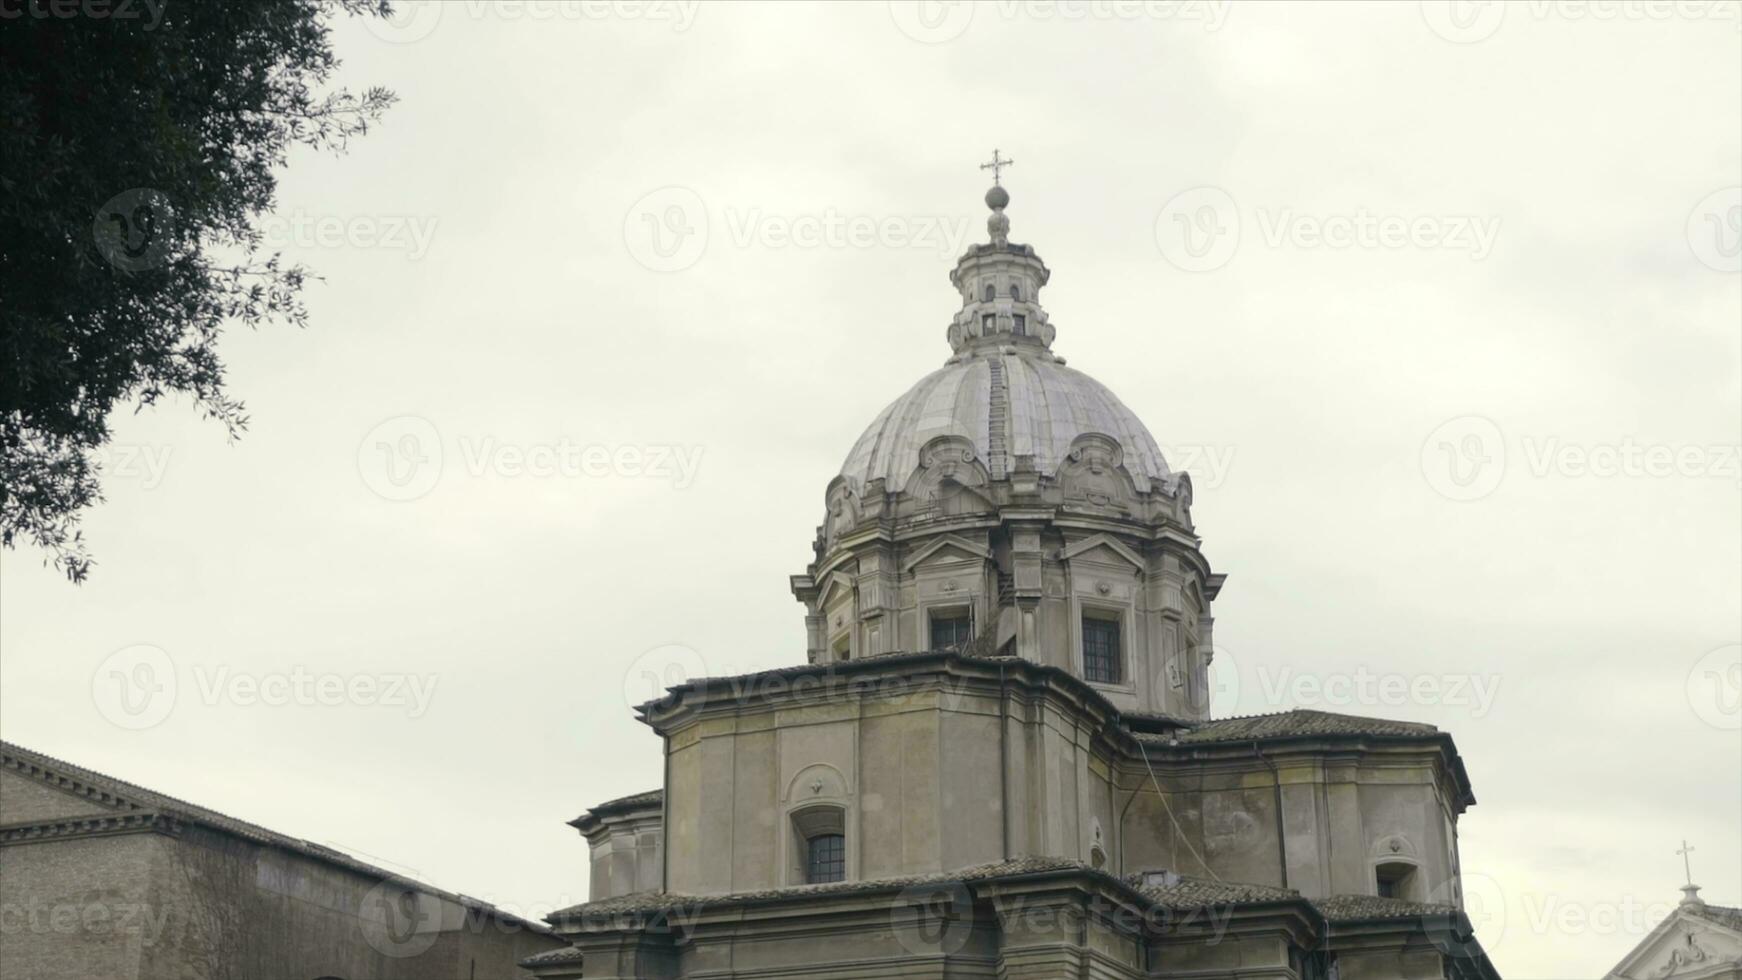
[1092, 471]
[1685, 955]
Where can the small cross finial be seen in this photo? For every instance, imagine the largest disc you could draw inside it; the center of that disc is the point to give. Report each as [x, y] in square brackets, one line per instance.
[1687, 866]
[996, 166]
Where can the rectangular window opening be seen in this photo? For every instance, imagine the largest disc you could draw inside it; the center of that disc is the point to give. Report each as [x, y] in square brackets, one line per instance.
[1393, 880]
[1103, 662]
[825, 859]
[951, 631]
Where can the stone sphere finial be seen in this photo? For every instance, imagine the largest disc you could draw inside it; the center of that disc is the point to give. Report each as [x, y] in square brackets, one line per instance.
[997, 198]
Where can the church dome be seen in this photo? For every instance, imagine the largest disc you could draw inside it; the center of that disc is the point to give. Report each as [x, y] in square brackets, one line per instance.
[1009, 404]
[1008, 505]
[1004, 392]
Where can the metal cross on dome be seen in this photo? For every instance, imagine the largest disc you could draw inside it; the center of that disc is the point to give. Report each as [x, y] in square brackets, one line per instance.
[996, 165]
[1686, 865]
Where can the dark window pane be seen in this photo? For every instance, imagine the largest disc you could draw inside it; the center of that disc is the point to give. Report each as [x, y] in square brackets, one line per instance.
[825, 858]
[950, 633]
[1021, 326]
[1101, 661]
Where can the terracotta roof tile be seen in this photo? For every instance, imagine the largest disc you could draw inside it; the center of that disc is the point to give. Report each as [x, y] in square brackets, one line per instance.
[1183, 892]
[642, 903]
[1351, 908]
[1300, 721]
[1721, 915]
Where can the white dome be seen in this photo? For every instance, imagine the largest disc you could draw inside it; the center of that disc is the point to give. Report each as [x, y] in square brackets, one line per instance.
[1009, 404]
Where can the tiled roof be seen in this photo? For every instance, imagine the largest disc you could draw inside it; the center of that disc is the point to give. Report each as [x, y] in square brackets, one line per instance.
[1352, 908]
[1721, 915]
[633, 801]
[641, 903]
[128, 796]
[1245, 728]
[554, 957]
[1182, 893]
[1300, 721]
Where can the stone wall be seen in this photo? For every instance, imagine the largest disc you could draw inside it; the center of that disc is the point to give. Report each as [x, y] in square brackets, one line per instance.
[93, 892]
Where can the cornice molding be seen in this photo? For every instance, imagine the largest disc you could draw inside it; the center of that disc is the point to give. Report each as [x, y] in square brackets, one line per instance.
[66, 784]
[99, 825]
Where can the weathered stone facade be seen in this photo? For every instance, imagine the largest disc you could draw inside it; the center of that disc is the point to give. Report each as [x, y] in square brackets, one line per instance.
[101, 878]
[1038, 790]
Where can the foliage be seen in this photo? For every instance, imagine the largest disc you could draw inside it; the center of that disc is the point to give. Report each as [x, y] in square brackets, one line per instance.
[136, 155]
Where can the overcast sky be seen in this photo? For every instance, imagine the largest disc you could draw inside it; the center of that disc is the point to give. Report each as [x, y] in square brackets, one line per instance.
[1440, 307]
